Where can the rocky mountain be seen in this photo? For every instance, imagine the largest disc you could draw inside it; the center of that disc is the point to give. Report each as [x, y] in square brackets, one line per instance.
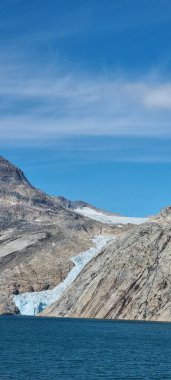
[70, 259]
[38, 235]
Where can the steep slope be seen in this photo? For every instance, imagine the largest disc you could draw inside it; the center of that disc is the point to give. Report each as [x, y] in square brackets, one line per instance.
[130, 279]
[38, 235]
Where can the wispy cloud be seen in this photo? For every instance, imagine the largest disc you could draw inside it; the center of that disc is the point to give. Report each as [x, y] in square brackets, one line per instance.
[158, 96]
[44, 95]
[48, 101]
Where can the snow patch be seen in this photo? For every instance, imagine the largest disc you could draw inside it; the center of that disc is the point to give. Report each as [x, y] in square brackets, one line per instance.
[109, 219]
[34, 302]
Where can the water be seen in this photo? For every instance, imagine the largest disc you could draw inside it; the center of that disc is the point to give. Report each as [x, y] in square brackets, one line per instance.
[48, 348]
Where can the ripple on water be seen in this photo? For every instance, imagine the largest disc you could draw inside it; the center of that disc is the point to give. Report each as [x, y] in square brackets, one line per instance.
[48, 348]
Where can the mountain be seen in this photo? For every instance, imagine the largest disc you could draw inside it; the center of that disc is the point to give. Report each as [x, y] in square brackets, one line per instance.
[38, 235]
[68, 258]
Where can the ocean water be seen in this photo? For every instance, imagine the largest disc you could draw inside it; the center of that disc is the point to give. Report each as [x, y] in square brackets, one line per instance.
[48, 348]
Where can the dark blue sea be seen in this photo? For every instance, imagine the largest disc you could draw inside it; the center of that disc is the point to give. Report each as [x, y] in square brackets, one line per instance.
[49, 348]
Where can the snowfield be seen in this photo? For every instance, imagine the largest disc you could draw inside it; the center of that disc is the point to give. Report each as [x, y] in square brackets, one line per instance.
[34, 302]
[109, 219]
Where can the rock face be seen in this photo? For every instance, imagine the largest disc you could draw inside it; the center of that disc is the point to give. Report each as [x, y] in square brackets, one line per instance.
[130, 279]
[38, 235]
[10, 174]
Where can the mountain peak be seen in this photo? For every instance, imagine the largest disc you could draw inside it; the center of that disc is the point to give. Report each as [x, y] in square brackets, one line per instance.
[10, 174]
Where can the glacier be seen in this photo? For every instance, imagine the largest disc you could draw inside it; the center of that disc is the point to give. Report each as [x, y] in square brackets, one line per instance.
[32, 303]
[109, 219]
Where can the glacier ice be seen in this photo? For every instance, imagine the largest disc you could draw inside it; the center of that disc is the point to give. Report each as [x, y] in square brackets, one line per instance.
[109, 219]
[31, 303]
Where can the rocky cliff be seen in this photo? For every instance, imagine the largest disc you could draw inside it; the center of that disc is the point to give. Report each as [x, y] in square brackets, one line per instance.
[130, 279]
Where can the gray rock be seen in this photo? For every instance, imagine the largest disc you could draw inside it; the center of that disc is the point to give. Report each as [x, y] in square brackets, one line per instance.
[129, 280]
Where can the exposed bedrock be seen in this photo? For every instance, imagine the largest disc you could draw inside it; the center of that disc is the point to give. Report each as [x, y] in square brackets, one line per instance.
[131, 279]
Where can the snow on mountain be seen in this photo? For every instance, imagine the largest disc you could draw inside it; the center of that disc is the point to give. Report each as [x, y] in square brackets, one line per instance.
[109, 219]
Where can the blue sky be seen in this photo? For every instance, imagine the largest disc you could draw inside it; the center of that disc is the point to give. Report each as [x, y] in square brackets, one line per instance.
[85, 90]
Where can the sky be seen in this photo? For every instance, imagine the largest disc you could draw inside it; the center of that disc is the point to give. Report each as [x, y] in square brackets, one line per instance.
[85, 99]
